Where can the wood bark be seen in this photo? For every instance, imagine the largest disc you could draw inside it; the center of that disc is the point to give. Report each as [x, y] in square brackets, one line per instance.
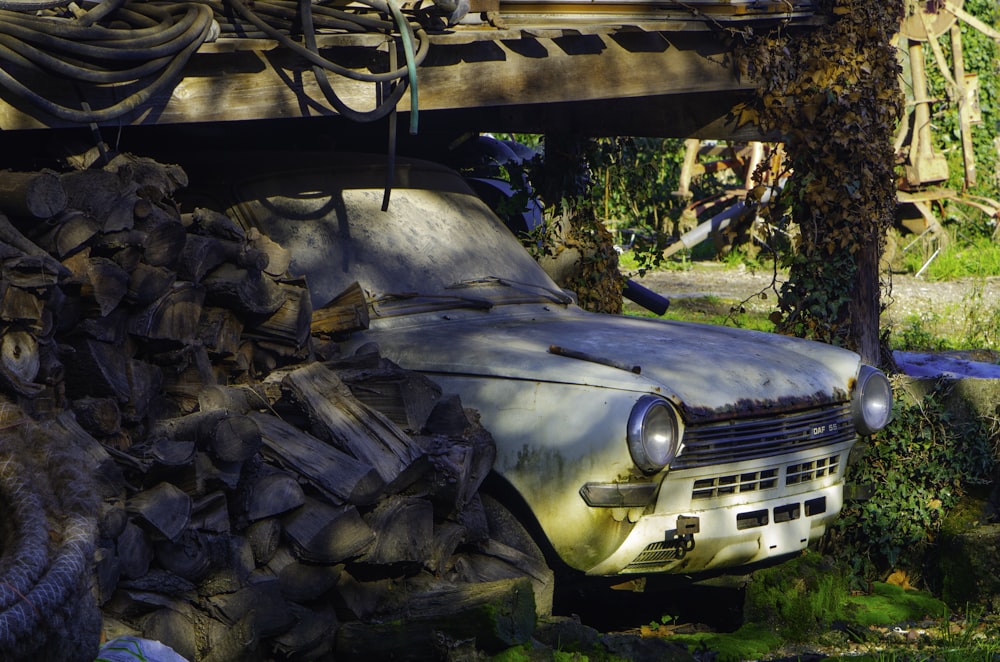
[347, 312]
[321, 533]
[498, 615]
[353, 427]
[33, 194]
[340, 476]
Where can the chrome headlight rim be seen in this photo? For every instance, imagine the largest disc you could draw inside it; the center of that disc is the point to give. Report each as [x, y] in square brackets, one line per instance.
[871, 402]
[649, 450]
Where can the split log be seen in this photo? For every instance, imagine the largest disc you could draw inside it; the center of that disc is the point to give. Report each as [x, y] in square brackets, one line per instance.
[102, 369]
[192, 555]
[112, 518]
[243, 290]
[205, 475]
[135, 552]
[107, 282]
[228, 436]
[460, 465]
[407, 398]
[160, 581]
[303, 582]
[243, 398]
[321, 533]
[271, 614]
[279, 258]
[98, 416]
[361, 599]
[264, 537]
[94, 192]
[174, 316]
[230, 642]
[164, 240]
[70, 233]
[355, 428]
[15, 241]
[210, 513]
[289, 325]
[273, 494]
[164, 508]
[171, 453]
[153, 181]
[201, 254]
[242, 254]
[446, 539]
[216, 224]
[186, 372]
[311, 637]
[34, 194]
[347, 312]
[174, 629]
[494, 560]
[123, 214]
[404, 529]
[148, 283]
[497, 615]
[220, 331]
[336, 474]
[35, 273]
[18, 305]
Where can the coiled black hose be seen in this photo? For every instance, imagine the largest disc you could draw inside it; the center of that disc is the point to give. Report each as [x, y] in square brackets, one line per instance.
[147, 52]
[47, 540]
[139, 48]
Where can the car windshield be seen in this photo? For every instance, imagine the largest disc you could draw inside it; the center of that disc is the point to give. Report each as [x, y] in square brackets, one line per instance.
[435, 243]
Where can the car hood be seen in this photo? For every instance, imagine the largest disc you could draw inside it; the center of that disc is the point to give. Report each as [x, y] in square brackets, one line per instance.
[709, 371]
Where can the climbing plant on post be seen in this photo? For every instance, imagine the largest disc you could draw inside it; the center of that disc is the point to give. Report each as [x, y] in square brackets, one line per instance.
[832, 94]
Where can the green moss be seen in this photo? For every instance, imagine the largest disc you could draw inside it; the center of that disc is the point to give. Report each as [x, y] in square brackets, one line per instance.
[889, 604]
[751, 642]
[798, 598]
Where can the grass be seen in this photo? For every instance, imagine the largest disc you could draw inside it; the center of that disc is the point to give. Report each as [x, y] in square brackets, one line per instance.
[978, 257]
[974, 325]
[709, 310]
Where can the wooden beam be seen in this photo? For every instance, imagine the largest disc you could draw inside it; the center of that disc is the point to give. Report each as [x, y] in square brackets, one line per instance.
[559, 66]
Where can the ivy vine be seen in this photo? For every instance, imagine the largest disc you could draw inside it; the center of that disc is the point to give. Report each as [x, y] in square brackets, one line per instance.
[832, 94]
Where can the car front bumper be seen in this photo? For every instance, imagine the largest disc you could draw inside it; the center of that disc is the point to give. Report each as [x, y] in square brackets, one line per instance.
[733, 529]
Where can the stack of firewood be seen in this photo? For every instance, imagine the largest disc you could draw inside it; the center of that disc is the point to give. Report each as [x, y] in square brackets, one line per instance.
[264, 497]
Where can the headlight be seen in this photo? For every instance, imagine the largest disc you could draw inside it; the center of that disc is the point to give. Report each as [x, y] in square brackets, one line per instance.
[871, 405]
[653, 434]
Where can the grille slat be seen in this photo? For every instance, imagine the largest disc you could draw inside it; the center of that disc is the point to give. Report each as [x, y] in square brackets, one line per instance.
[753, 438]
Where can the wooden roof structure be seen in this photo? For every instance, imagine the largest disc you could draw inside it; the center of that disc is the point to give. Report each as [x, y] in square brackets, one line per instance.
[597, 68]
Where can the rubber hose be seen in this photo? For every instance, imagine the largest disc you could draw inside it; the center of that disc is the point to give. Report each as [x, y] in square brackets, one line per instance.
[31, 5]
[100, 11]
[318, 60]
[75, 41]
[40, 60]
[411, 66]
[325, 86]
[47, 611]
[194, 40]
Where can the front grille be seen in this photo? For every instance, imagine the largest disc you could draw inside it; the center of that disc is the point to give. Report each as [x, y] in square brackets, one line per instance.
[743, 439]
[654, 555]
[807, 471]
[751, 481]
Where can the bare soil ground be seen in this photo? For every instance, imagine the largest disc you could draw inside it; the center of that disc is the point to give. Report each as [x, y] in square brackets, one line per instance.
[942, 305]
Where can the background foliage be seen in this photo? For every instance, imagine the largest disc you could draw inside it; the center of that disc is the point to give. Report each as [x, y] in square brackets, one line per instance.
[916, 470]
[981, 56]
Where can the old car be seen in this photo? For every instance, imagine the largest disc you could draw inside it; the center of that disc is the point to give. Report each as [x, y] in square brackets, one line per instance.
[629, 445]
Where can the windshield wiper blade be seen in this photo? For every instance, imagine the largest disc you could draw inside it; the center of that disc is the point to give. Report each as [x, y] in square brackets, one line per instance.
[554, 295]
[464, 302]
